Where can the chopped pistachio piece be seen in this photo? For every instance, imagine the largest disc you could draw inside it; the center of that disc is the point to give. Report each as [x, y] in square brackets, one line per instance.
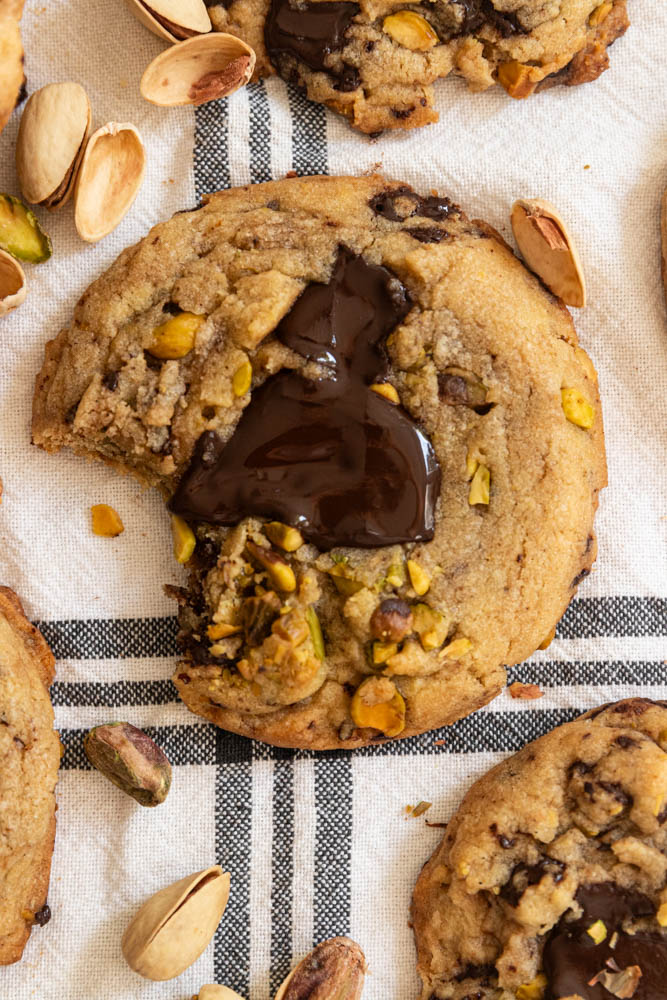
[175, 338]
[283, 535]
[410, 30]
[183, 538]
[279, 571]
[430, 625]
[242, 379]
[106, 521]
[222, 630]
[387, 390]
[377, 704]
[480, 486]
[315, 632]
[597, 931]
[456, 650]
[577, 409]
[396, 575]
[419, 578]
[534, 990]
[661, 915]
[383, 650]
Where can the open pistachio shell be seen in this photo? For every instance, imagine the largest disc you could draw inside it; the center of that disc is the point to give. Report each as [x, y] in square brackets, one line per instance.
[109, 180]
[174, 926]
[12, 283]
[548, 250]
[198, 70]
[50, 144]
[213, 992]
[172, 20]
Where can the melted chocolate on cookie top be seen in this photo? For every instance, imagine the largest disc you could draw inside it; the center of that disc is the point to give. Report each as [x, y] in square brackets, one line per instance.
[309, 32]
[572, 960]
[329, 456]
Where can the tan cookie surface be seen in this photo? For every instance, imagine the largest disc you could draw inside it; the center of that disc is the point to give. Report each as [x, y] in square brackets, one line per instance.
[488, 587]
[554, 869]
[30, 755]
[376, 61]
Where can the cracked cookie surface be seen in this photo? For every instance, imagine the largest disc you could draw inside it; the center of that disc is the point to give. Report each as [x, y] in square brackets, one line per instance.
[375, 61]
[30, 751]
[198, 345]
[551, 880]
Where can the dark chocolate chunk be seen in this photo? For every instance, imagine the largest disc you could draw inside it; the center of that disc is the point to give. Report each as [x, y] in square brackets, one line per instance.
[329, 456]
[172, 308]
[309, 32]
[401, 203]
[427, 234]
[477, 13]
[43, 915]
[110, 381]
[527, 875]
[572, 960]
[348, 80]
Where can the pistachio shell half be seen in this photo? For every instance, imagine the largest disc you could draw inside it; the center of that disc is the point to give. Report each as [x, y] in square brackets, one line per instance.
[12, 283]
[52, 136]
[214, 992]
[172, 20]
[548, 250]
[174, 926]
[109, 180]
[663, 231]
[333, 970]
[198, 70]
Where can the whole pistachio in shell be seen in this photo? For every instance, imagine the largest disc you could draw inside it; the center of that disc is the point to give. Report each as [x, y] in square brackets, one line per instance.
[109, 179]
[174, 926]
[131, 760]
[12, 283]
[214, 992]
[52, 136]
[172, 20]
[333, 970]
[198, 70]
[548, 250]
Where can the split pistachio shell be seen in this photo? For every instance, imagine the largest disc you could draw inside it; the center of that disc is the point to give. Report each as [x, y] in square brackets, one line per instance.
[50, 144]
[198, 70]
[214, 992]
[548, 250]
[172, 19]
[174, 926]
[12, 283]
[663, 230]
[334, 970]
[109, 180]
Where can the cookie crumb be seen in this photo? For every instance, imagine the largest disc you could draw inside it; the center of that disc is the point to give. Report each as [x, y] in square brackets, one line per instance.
[526, 691]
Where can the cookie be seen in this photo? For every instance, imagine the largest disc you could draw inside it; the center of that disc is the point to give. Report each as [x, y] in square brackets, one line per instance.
[551, 880]
[381, 429]
[375, 61]
[11, 58]
[30, 751]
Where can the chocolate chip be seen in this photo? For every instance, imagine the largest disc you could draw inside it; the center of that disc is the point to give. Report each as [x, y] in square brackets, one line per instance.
[427, 234]
[172, 308]
[110, 381]
[43, 915]
[524, 876]
[579, 577]
[348, 80]
[71, 413]
[402, 113]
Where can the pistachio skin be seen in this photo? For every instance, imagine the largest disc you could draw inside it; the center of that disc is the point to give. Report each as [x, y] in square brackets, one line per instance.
[392, 620]
[130, 760]
[333, 970]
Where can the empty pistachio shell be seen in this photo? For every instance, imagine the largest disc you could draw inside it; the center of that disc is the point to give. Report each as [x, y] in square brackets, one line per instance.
[198, 70]
[174, 926]
[172, 19]
[548, 250]
[50, 144]
[213, 992]
[109, 180]
[663, 229]
[20, 233]
[334, 970]
[12, 283]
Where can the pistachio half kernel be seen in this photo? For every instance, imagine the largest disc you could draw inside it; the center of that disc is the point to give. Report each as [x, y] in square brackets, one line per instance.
[109, 180]
[174, 926]
[20, 232]
[172, 20]
[131, 760]
[333, 970]
[12, 283]
[548, 250]
[198, 70]
[52, 137]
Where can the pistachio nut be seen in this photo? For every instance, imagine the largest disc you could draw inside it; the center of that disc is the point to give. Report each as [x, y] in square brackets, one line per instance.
[333, 970]
[172, 19]
[548, 250]
[20, 233]
[52, 136]
[111, 173]
[12, 283]
[131, 760]
[198, 70]
[214, 992]
[174, 926]
[663, 231]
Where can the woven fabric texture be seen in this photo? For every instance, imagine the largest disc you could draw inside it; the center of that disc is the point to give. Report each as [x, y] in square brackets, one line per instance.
[316, 845]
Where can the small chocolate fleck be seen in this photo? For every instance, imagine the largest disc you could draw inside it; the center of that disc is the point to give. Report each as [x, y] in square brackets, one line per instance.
[172, 308]
[110, 381]
[579, 577]
[43, 915]
[427, 234]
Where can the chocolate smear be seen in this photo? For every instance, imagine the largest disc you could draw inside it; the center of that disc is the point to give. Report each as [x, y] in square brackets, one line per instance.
[309, 32]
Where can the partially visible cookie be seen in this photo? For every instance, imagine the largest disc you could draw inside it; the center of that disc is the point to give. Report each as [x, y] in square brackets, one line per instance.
[11, 58]
[29, 761]
[551, 881]
[376, 61]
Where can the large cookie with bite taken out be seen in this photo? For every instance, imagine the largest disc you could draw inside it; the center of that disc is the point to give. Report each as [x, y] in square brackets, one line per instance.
[376, 61]
[377, 426]
[551, 880]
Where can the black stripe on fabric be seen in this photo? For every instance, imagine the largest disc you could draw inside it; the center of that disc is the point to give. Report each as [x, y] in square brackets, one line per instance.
[260, 133]
[119, 638]
[110, 638]
[333, 846]
[591, 617]
[182, 745]
[233, 841]
[282, 865]
[211, 152]
[114, 694]
[558, 673]
[309, 134]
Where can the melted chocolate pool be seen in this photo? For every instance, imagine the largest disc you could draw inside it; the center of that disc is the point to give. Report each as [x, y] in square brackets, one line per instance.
[309, 32]
[331, 456]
